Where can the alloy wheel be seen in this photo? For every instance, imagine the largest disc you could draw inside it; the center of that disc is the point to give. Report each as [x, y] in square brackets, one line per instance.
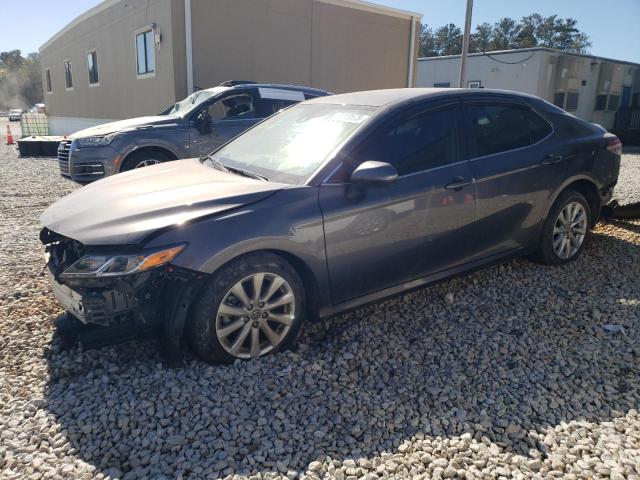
[255, 315]
[147, 163]
[569, 230]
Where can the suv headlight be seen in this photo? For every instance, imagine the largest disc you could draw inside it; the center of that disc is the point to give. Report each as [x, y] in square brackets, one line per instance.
[113, 265]
[88, 142]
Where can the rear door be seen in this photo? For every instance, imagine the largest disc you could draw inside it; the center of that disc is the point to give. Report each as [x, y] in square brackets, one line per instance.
[514, 160]
[386, 236]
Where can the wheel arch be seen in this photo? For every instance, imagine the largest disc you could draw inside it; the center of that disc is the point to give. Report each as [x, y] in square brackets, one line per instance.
[588, 188]
[309, 280]
[147, 149]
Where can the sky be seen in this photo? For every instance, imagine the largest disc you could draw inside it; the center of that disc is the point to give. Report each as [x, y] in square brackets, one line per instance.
[612, 25]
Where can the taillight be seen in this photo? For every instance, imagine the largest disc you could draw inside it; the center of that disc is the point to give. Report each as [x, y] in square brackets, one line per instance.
[615, 146]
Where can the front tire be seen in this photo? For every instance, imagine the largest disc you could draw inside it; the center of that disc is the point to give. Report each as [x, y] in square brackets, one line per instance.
[250, 308]
[565, 230]
[144, 159]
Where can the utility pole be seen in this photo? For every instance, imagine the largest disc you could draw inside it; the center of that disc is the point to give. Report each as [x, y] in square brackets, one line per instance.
[465, 45]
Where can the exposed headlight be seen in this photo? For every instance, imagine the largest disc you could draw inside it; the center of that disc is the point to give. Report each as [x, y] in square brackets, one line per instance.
[88, 142]
[112, 265]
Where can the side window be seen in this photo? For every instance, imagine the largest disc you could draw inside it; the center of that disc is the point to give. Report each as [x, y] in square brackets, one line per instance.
[235, 107]
[499, 128]
[68, 77]
[420, 142]
[270, 106]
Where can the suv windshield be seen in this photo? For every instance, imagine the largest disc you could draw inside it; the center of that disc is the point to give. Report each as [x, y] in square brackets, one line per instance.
[289, 146]
[192, 101]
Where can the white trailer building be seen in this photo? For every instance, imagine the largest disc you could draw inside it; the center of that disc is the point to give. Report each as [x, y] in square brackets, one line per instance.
[590, 87]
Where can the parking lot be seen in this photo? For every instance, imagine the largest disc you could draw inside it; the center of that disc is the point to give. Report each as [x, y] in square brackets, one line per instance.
[505, 373]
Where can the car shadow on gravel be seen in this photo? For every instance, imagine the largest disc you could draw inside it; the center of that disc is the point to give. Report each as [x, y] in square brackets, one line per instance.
[520, 350]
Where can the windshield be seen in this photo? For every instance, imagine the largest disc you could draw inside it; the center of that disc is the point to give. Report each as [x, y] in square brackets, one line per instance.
[289, 146]
[192, 101]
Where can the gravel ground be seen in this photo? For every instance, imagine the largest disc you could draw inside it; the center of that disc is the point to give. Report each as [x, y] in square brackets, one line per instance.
[507, 373]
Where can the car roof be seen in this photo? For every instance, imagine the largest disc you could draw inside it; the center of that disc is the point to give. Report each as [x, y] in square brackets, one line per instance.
[398, 96]
[245, 86]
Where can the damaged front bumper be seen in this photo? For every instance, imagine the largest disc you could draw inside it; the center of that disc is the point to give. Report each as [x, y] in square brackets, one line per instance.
[150, 302]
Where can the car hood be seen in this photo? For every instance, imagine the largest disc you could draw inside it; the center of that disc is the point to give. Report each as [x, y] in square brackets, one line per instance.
[120, 125]
[125, 208]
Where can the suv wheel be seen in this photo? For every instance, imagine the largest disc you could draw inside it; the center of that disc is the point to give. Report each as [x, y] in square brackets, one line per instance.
[144, 159]
[565, 230]
[250, 308]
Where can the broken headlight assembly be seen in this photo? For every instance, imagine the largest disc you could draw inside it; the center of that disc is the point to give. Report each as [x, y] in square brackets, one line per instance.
[96, 141]
[110, 265]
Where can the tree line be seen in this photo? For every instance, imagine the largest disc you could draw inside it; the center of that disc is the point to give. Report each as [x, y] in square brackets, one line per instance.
[531, 31]
[20, 80]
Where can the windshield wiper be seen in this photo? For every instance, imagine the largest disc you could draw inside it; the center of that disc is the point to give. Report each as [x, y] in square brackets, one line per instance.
[246, 173]
[216, 163]
[239, 171]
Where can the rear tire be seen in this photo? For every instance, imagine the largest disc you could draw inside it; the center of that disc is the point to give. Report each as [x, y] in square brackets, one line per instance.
[565, 231]
[144, 159]
[232, 320]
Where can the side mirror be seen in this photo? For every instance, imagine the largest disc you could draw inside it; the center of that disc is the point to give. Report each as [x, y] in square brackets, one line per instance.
[372, 173]
[203, 122]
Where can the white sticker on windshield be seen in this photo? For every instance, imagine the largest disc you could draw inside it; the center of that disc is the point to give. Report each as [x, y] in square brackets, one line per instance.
[349, 117]
[277, 94]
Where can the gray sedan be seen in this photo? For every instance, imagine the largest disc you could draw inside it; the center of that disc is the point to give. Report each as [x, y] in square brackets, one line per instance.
[331, 204]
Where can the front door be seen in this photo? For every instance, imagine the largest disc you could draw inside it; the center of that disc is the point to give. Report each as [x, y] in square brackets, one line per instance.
[385, 236]
[229, 117]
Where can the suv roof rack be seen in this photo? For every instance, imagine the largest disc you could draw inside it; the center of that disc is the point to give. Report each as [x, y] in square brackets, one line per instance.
[233, 83]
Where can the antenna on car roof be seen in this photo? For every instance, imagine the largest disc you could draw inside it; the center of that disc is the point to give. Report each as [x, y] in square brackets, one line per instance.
[233, 83]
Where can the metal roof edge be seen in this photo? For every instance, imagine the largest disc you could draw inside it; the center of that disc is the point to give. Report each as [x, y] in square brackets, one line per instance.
[374, 8]
[532, 49]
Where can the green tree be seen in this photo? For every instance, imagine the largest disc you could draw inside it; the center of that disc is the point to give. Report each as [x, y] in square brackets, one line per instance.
[528, 27]
[480, 40]
[427, 44]
[448, 40]
[505, 34]
[20, 80]
[531, 31]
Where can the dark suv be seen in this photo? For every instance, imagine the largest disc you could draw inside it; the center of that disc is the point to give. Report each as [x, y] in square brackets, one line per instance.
[193, 127]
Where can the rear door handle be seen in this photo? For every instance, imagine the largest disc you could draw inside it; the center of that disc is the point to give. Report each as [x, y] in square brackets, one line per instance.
[551, 159]
[458, 184]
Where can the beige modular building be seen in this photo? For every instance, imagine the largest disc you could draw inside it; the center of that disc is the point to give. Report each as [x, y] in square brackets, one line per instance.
[592, 88]
[128, 58]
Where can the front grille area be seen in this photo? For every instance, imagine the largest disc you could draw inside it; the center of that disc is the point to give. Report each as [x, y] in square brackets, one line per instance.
[63, 157]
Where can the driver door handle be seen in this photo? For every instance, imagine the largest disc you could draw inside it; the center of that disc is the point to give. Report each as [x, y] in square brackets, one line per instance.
[551, 159]
[458, 184]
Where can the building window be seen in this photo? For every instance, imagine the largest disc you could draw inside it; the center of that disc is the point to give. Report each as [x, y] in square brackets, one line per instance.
[442, 85]
[558, 99]
[145, 53]
[68, 78]
[47, 79]
[601, 102]
[635, 100]
[474, 84]
[572, 101]
[614, 100]
[92, 67]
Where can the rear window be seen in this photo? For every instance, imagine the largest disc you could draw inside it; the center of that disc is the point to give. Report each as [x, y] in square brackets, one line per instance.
[502, 127]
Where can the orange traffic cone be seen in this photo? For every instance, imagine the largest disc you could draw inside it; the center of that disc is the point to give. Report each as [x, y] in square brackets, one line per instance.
[9, 136]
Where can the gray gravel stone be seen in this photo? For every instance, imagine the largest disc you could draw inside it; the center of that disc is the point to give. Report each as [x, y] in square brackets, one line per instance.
[511, 375]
